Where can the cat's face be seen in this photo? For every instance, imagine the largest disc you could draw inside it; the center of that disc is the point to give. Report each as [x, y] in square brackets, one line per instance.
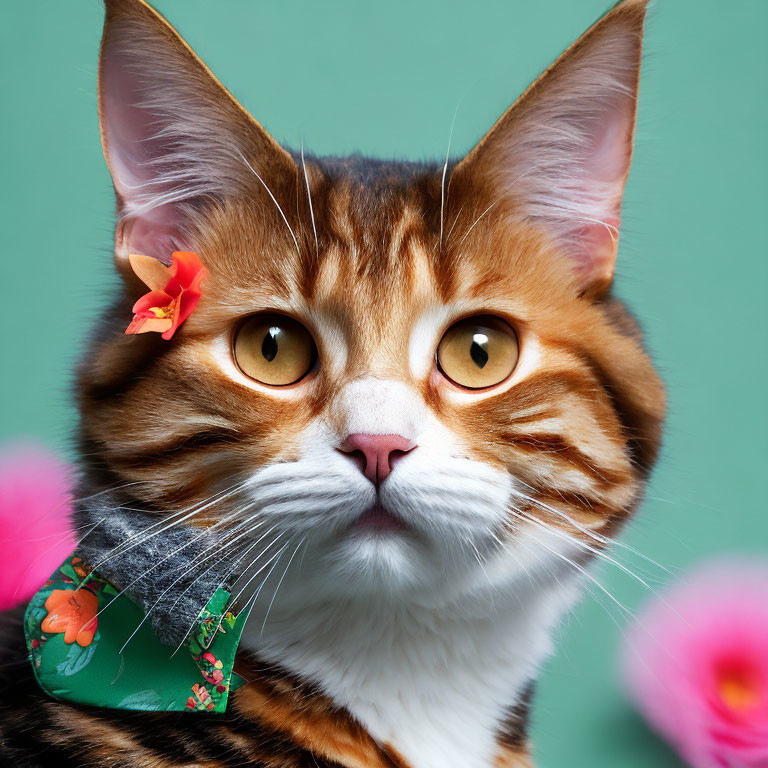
[398, 373]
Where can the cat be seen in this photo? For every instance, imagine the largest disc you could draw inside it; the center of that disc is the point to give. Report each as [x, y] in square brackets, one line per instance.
[411, 383]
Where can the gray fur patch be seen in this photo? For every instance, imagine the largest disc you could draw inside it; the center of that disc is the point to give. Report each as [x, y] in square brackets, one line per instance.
[159, 569]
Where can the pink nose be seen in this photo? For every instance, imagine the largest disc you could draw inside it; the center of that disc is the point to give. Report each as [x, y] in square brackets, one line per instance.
[377, 453]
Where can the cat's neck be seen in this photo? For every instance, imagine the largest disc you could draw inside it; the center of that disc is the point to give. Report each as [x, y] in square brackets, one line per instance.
[436, 684]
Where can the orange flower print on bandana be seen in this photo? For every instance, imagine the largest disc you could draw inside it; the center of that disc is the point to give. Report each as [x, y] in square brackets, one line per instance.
[72, 612]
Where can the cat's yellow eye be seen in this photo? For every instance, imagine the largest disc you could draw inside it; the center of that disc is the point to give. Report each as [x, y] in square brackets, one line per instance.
[478, 352]
[274, 350]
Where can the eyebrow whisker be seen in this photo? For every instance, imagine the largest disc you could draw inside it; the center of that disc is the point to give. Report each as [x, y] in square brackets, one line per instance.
[274, 199]
[309, 197]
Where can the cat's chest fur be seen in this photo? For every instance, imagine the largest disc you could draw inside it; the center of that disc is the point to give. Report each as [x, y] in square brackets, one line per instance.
[434, 685]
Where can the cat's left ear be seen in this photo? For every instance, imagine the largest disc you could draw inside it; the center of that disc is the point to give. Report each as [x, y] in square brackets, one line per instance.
[560, 155]
[174, 138]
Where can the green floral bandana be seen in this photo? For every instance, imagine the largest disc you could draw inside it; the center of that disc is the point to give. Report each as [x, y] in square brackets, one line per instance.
[85, 647]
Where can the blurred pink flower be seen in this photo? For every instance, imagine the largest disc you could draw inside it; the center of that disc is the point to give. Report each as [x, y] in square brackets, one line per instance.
[696, 665]
[36, 532]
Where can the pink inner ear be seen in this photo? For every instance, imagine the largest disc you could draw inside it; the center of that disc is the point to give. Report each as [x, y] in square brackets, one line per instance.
[587, 180]
[140, 148]
[134, 150]
[609, 151]
[128, 125]
[594, 257]
[154, 234]
[138, 111]
[604, 173]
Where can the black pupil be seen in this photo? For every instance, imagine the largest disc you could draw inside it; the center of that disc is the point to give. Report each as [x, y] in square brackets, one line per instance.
[269, 345]
[477, 350]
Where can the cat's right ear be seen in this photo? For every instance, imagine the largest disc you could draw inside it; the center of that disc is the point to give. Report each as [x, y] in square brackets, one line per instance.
[174, 138]
[559, 157]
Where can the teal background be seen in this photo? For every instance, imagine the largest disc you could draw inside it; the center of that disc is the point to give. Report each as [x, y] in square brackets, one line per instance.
[387, 78]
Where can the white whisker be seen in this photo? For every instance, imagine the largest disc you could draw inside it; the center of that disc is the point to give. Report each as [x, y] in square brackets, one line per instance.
[176, 518]
[574, 565]
[233, 600]
[582, 544]
[53, 546]
[309, 197]
[592, 534]
[474, 223]
[251, 602]
[455, 221]
[215, 545]
[274, 199]
[277, 588]
[247, 549]
[442, 178]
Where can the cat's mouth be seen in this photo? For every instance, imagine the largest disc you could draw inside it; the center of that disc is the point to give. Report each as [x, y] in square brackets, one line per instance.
[376, 518]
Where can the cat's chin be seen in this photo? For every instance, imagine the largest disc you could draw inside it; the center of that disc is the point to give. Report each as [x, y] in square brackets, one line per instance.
[376, 554]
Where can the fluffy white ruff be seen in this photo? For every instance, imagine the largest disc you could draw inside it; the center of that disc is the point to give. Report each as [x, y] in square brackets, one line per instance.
[433, 678]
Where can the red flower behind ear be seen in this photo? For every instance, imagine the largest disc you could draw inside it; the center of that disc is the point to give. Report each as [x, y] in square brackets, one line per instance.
[174, 292]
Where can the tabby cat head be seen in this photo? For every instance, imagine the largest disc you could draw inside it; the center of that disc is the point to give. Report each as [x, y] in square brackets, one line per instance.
[407, 371]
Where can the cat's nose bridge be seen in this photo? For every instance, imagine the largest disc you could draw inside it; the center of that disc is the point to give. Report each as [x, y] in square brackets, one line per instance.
[372, 406]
